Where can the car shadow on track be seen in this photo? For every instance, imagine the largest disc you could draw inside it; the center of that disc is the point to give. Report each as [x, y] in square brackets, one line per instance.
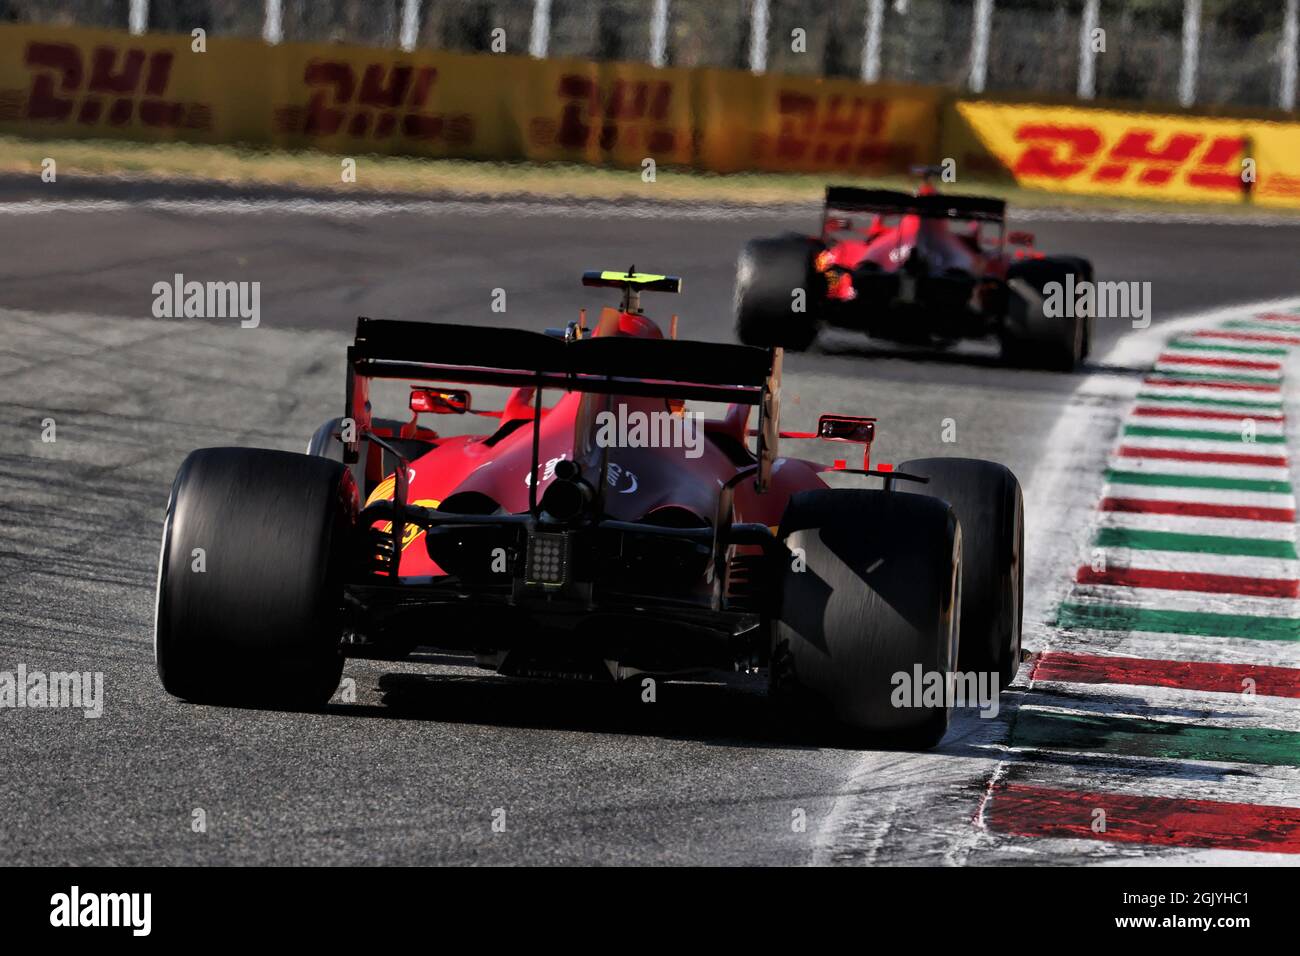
[869, 349]
[981, 358]
[722, 714]
[696, 711]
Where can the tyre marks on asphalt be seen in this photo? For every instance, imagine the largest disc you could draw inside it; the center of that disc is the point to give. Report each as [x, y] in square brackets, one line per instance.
[1163, 712]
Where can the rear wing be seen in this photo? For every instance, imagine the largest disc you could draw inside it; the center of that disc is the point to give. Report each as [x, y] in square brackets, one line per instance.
[933, 206]
[516, 358]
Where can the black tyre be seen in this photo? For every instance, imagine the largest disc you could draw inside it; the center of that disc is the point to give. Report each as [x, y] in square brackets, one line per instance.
[1082, 270]
[878, 596]
[987, 500]
[258, 621]
[767, 275]
[324, 443]
[1030, 337]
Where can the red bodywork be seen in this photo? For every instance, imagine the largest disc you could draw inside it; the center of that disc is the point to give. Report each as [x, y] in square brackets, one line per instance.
[639, 482]
[889, 241]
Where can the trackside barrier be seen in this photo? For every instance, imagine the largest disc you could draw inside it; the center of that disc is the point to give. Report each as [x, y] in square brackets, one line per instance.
[80, 83]
[1114, 153]
[69, 82]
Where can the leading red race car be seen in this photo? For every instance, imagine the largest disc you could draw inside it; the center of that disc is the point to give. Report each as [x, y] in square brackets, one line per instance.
[554, 545]
[926, 269]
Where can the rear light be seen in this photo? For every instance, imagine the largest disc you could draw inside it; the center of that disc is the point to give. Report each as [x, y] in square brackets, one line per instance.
[842, 287]
[548, 560]
[825, 259]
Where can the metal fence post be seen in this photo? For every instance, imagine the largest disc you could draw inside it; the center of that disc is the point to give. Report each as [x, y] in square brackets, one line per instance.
[758, 37]
[539, 39]
[1287, 55]
[979, 45]
[659, 33]
[138, 18]
[871, 41]
[273, 28]
[1191, 52]
[1087, 58]
[410, 24]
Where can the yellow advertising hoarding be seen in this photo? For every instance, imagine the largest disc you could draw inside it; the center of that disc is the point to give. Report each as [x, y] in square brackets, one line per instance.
[70, 82]
[57, 82]
[1114, 153]
[777, 123]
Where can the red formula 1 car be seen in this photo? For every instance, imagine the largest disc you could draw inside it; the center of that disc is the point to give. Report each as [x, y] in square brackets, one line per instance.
[613, 533]
[925, 269]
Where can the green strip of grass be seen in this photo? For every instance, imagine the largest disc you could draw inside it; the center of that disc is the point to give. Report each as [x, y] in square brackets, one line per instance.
[401, 174]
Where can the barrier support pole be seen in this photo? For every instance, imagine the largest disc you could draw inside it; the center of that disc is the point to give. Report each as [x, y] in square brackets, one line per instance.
[138, 18]
[1191, 52]
[758, 37]
[979, 44]
[539, 39]
[1288, 53]
[1087, 58]
[659, 33]
[875, 18]
[410, 25]
[273, 27]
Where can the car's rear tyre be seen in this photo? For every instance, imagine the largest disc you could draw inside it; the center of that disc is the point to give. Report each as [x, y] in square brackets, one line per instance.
[987, 500]
[250, 578]
[869, 603]
[324, 442]
[1032, 338]
[1082, 270]
[769, 274]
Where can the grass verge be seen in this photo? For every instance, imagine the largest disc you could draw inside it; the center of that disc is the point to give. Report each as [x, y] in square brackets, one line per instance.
[310, 169]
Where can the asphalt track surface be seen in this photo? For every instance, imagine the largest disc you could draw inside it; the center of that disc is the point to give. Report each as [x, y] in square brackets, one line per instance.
[418, 767]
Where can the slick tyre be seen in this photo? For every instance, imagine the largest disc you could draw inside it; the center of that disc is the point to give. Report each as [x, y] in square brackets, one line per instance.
[324, 442]
[768, 274]
[871, 590]
[250, 578]
[1032, 338]
[1082, 270]
[987, 500]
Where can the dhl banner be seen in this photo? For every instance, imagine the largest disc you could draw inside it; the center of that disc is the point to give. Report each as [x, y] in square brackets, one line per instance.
[616, 113]
[71, 82]
[810, 125]
[95, 83]
[1114, 153]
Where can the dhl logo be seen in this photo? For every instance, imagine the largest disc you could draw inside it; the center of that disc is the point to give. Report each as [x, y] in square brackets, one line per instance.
[1137, 156]
[386, 101]
[836, 131]
[626, 114]
[114, 85]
